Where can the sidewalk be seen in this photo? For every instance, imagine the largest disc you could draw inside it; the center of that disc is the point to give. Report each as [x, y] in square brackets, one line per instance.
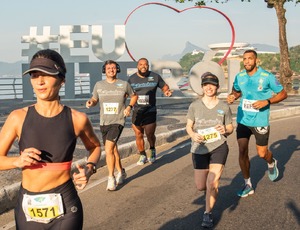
[171, 121]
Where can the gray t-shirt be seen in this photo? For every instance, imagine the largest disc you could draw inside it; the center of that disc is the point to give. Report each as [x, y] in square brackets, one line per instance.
[112, 98]
[204, 121]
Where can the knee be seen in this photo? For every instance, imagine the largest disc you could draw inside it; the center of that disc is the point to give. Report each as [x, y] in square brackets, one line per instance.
[109, 151]
[243, 153]
[201, 186]
[139, 135]
[212, 186]
[264, 154]
[150, 136]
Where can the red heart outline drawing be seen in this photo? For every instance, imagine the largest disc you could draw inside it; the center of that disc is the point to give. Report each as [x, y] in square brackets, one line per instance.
[180, 11]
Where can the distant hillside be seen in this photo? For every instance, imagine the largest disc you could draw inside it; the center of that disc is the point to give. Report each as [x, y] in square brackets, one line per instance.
[10, 69]
[189, 47]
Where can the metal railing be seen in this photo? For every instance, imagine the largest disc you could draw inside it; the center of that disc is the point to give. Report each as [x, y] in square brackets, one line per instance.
[12, 87]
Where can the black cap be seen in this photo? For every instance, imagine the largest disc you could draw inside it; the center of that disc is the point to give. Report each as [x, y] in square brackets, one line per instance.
[209, 78]
[44, 65]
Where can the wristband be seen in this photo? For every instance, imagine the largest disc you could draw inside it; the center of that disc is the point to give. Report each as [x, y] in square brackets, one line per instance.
[94, 166]
[130, 106]
[269, 102]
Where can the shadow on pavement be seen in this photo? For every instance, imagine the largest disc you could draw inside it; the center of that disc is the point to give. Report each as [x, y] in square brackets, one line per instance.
[163, 160]
[228, 200]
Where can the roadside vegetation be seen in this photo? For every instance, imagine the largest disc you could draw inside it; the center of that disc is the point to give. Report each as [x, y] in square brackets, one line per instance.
[270, 62]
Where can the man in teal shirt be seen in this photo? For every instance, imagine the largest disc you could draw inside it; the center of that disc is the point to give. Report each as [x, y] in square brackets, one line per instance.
[257, 89]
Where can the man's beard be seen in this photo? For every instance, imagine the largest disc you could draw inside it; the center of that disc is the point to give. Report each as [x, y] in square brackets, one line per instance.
[144, 74]
[251, 68]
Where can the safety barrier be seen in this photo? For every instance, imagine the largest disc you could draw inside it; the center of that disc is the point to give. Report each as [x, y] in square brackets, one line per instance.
[12, 87]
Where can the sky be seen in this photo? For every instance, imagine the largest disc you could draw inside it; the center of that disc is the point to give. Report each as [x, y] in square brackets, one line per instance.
[152, 31]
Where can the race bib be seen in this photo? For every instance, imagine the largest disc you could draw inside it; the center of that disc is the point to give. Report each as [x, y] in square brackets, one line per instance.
[143, 100]
[210, 134]
[111, 108]
[42, 208]
[247, 106]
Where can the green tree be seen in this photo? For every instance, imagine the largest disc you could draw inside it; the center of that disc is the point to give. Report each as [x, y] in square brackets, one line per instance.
[189, 60]
[285, 71]
[295, 58]
[268, 61]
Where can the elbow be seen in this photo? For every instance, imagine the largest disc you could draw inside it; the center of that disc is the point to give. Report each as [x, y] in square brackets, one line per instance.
[285, 95]
[229, 129]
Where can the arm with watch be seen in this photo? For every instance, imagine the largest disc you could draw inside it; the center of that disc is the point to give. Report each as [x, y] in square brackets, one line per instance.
[133, 99]
[92, 144]
[92, 167]
[275, 99]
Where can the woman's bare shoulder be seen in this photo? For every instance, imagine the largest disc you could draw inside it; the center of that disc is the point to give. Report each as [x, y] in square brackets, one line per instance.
[78, 115]
[18, 114]
[80, 120]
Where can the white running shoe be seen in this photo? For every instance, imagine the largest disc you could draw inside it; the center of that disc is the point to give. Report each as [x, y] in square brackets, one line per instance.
[143, 160]
[111, 184]
[121, 176]
[152, 158]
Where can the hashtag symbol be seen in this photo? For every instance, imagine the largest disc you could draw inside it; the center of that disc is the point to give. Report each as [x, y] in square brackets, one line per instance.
[37, 42]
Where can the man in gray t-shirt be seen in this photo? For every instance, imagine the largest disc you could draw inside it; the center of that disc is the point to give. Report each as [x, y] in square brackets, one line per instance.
[111, 94]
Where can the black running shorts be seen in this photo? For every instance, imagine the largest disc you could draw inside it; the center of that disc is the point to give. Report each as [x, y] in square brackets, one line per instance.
[217, 156]
[73, 212]
[141, 116]
[261, 133]
[111, 132]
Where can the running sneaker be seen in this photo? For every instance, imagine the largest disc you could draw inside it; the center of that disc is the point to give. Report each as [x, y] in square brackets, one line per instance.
[152, 158]
[207, 221]
[121, 176]
[111, 184]
[246, 191]
[273, 172]
[143, 160]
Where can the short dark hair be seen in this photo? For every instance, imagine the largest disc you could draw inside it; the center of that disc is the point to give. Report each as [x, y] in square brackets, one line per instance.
[55, 57]
[251, 51]
[144, 59]
[108, 62]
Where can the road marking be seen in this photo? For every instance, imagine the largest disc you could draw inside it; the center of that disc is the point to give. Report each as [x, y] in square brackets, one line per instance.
[104, 179]
[286, 118]
[8, 226]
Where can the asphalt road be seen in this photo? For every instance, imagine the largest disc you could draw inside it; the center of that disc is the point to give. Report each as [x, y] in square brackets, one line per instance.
[163, 195]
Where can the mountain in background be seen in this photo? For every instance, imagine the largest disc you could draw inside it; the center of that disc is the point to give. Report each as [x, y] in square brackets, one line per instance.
[10, 69]
[189, 48]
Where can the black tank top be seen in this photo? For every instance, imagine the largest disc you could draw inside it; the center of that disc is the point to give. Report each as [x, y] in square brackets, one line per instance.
[54, 137]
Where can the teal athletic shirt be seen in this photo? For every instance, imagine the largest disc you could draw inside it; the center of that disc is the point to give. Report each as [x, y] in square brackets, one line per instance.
[259, 86]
